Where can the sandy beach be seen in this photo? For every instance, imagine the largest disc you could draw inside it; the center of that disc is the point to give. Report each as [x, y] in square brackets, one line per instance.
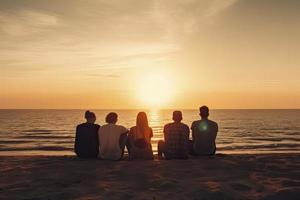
[270, 176]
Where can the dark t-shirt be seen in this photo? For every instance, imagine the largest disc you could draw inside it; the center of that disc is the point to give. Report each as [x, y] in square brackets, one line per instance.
[86, 141]
[176, 138]
[204, 135]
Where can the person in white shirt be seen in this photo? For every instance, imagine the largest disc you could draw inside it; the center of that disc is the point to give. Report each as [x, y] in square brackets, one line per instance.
[112, 138]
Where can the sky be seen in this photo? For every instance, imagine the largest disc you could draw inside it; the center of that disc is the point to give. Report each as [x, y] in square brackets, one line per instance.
[150, 53]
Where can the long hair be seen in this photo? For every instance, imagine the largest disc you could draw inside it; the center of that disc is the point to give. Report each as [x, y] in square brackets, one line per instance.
[142, 121]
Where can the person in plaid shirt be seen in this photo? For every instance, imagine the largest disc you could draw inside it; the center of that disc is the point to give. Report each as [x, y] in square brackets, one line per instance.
[176, 136]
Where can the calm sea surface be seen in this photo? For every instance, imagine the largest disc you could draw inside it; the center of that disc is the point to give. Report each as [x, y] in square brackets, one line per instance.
[51, 132]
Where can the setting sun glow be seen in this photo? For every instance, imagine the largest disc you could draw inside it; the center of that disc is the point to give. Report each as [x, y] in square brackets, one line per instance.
[155, 90]
[149, 54]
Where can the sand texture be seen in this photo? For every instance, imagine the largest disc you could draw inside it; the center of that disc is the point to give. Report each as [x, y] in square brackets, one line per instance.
[270, 176]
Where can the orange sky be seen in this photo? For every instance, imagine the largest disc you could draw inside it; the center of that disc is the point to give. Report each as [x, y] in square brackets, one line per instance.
[154, 53]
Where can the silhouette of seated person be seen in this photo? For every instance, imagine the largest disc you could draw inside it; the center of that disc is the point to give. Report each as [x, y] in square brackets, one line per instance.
[86, 139]
[204, 133]
[139, 139]
[176, 137]
[112, 138]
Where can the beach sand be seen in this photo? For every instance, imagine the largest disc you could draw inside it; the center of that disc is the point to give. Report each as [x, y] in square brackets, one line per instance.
[270, 176]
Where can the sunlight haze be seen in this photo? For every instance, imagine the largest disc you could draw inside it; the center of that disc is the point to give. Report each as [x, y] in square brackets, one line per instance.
[145, 54]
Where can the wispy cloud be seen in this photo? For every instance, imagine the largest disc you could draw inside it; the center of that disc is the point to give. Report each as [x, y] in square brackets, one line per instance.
[65, 45]
[180, 19]
[97, 75]
[26, 22]
[218, 6]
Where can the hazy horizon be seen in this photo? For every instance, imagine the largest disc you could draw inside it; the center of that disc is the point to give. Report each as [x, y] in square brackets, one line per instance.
[133, 54]
[147, 109]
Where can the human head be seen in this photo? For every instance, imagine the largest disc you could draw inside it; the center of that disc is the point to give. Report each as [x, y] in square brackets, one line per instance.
[90, 117]
[177, 116]
[111, 118]
[204, 112]
[142, 120]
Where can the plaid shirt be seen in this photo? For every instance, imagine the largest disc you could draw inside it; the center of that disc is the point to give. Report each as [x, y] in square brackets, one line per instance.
[176, 138]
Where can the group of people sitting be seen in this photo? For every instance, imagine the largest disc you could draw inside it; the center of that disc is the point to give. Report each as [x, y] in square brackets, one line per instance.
[109, 141]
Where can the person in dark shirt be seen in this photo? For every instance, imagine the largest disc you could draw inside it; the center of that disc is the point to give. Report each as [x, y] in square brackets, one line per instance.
[176, 136]
[204, 133]
[86, 140]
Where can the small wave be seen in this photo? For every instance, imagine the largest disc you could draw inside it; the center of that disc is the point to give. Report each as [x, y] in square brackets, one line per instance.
[52, 148]
[230, 128]
[15, 141]
[45, 137]
[39, 133]
[42, 131]
[267, 139]
[262, 146]
[277, 129]
[226, 142]
[292, 133]
[37, 130]
[41, 148]
[277, 139]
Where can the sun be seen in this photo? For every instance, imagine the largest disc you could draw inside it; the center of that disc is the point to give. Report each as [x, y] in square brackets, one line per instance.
[155, 89]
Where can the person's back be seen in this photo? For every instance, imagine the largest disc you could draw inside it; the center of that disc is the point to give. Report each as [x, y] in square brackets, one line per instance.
[204, 134]
[176, 138]
[109, 139]
[86, 139]
[140, 148]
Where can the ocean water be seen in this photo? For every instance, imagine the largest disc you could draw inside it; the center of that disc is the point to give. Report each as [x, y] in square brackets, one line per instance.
[51, 132]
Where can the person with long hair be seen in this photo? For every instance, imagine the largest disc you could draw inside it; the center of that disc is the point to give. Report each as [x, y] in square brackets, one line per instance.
[140, 139]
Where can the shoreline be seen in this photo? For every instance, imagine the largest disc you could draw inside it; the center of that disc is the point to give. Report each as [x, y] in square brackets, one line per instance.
[224, 176]
[34, 153]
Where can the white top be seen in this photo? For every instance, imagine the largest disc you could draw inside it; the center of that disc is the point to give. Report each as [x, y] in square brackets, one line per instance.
[109, 135]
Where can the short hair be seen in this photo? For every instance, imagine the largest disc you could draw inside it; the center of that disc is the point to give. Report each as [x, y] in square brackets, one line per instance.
[177, 116]
[111, 117]
[204, 111]
[88, 114]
